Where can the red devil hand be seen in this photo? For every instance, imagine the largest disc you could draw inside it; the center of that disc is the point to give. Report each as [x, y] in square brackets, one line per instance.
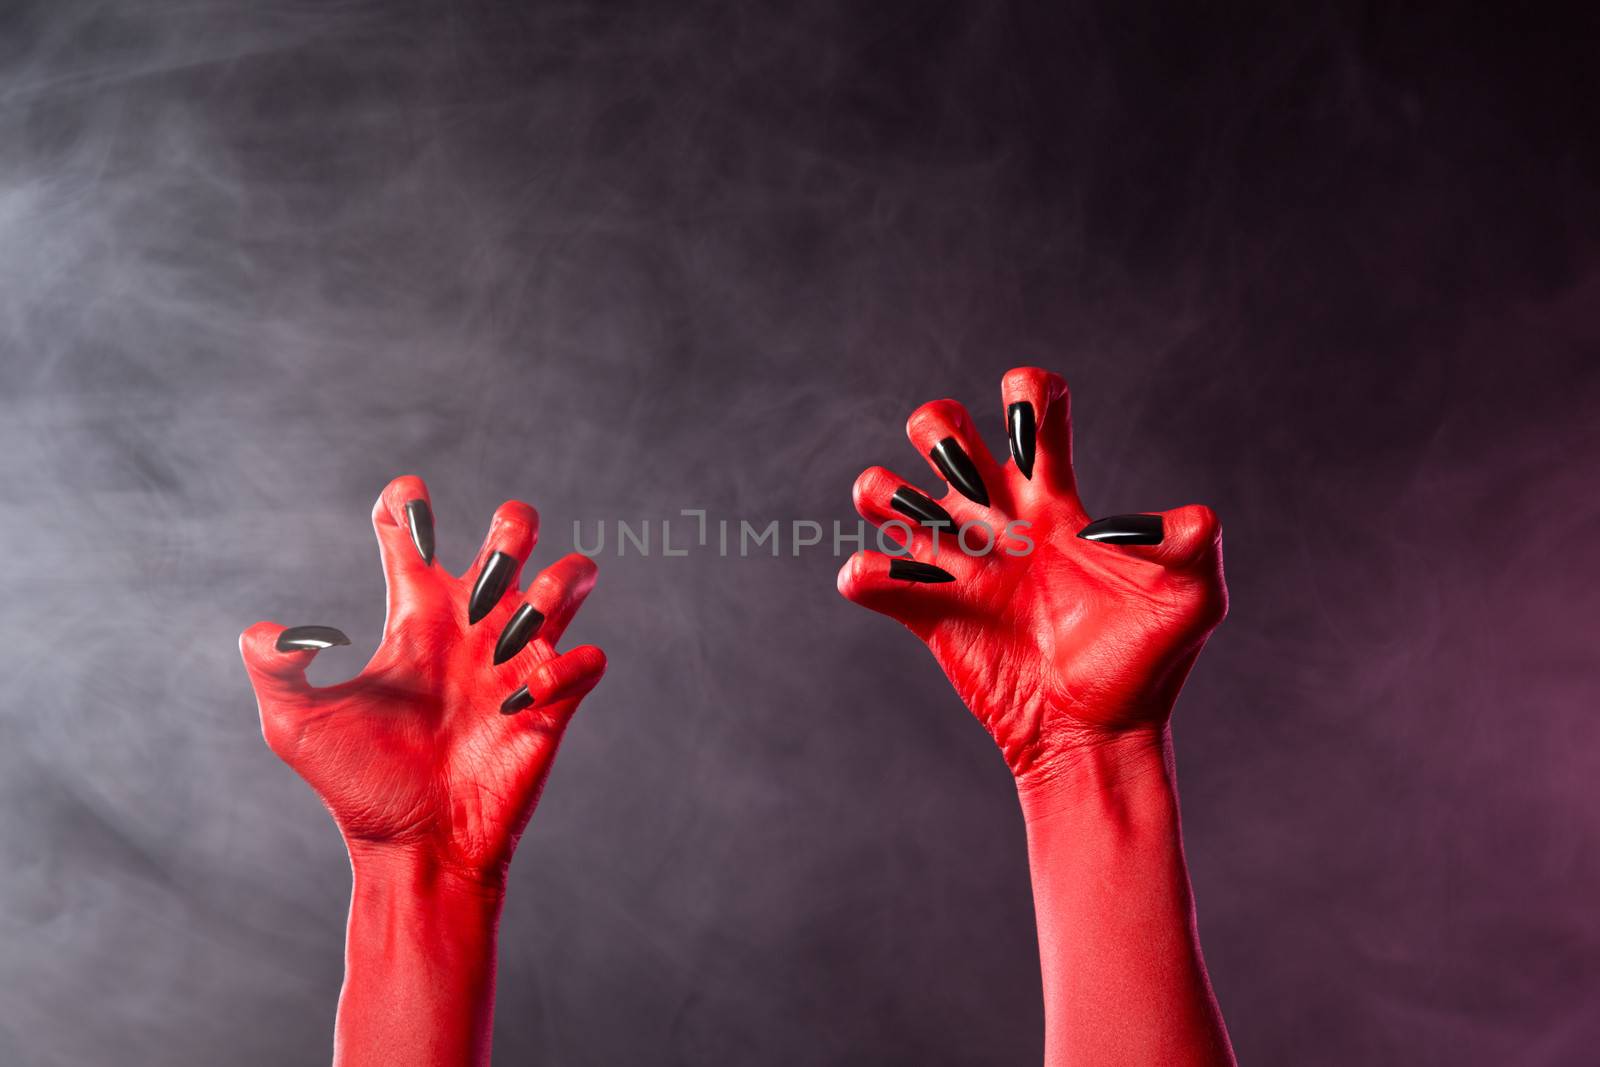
[417, 751]
[1069, 641]
[431, 761]
[1065, 634]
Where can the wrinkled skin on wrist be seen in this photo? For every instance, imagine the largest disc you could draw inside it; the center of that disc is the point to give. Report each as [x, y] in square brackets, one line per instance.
[1073, 644]
[413, 756]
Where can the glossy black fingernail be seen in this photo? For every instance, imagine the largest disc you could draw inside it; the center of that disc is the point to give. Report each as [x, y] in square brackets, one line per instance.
[517, 701]
[958, 469]
[910, 570]
[907, 501]
[300, 638]
[420, 518]
[492, 582]
[518, 632]
[1125, 530]
[1019, 418]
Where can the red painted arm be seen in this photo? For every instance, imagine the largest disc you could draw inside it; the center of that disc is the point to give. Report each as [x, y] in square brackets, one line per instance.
[1071, 652]
[431, 761]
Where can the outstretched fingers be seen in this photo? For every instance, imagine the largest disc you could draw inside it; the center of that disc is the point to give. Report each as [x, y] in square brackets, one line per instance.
[548, 607]
[911, 591]
[908, 517]
[559, 683]
[402, 519]
[512, 535]
[1039, 427]
[944, 433]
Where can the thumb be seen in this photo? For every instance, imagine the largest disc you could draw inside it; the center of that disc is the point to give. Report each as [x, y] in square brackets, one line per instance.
[1191, 541]
[276, 659]
[1186, 539]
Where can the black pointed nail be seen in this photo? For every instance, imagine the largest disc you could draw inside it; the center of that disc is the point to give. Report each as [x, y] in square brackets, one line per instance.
[907, 501]
[910, 570]
[517, 701]
[300, 638]
[1019, 417]
[518, 632]
[958, 469]
[1125, 530]
[420, 518]
[492, 582]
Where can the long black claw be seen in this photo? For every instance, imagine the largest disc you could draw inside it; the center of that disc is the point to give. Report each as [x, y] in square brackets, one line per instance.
[492, 582]
[958, 469]
[516, 701]
[907, 501]
[301, 638]
[420, 518]
[1125, 530]
[911, 570]
[1019, 418]
[518, 632]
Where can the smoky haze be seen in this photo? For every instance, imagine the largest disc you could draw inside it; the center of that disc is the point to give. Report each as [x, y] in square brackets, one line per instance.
[1331, 271]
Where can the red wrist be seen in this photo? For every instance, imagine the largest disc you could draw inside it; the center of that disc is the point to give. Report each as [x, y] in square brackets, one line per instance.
[419, 962]
[413, 871]
[1122, 773]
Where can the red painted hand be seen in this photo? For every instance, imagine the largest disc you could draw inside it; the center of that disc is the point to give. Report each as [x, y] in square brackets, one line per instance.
[1054, 641]
[1069, 641]
[415, 754]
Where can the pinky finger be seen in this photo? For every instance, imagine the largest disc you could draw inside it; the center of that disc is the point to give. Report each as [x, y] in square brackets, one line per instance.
[903, 589]
[567, 678]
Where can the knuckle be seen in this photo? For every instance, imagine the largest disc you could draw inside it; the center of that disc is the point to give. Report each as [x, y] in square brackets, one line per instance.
[935, 418]
[514, 512]
[1035, 381]
[390, 502]
[865, 489]
[1204, 525]
[1022, 379]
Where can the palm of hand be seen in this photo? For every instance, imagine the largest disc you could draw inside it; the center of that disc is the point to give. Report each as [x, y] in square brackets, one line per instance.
[439, 766]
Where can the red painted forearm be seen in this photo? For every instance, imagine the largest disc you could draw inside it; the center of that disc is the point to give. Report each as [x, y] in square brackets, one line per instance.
[1124, 981]
[1069, 641]
[431, 761]
[419, 964]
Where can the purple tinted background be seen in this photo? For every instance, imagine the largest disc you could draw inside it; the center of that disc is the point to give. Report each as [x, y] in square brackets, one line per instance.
[1333, 272]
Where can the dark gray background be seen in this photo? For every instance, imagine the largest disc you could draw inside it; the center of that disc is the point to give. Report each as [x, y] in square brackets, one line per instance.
[1333, 272]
